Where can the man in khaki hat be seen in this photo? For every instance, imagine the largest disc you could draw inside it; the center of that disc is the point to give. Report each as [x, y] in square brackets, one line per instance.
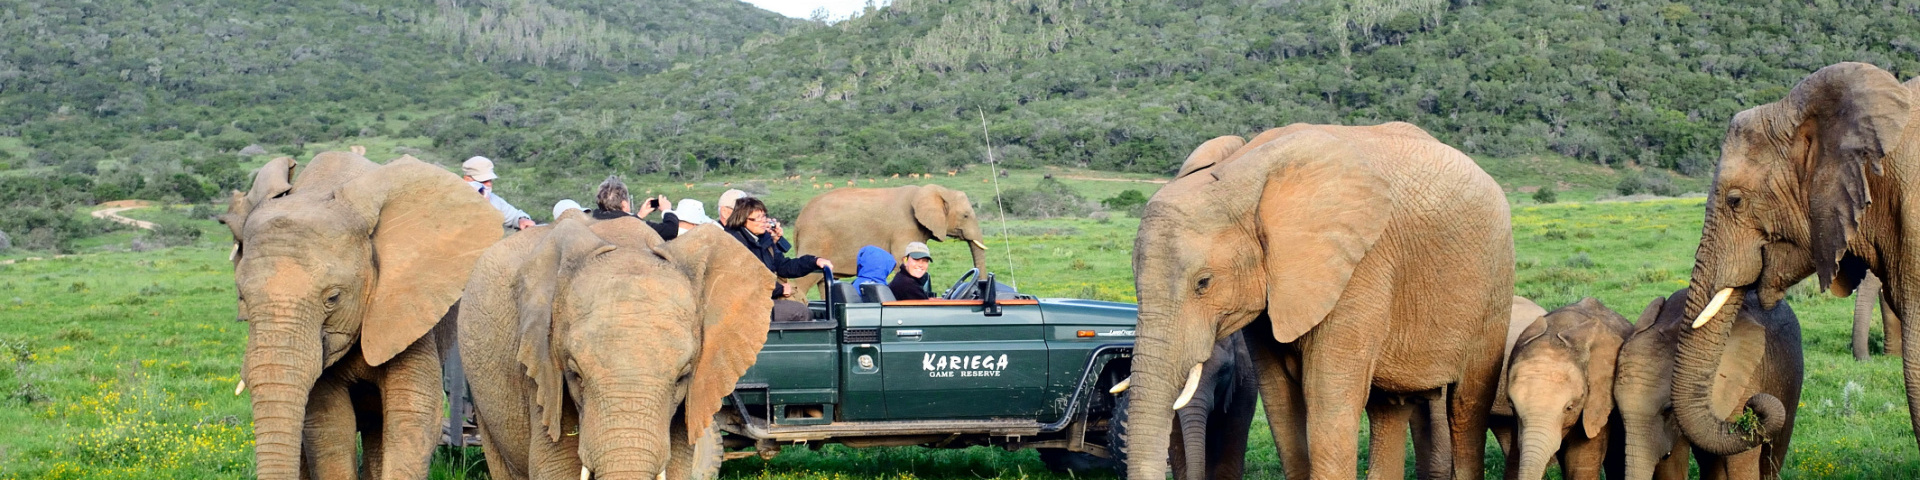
[478, 171]
[911, 282]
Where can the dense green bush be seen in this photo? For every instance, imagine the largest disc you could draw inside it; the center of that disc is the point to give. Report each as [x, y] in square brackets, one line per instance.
[1647, 181]
[1129, 200]
[1546, 194]
[1048, 198]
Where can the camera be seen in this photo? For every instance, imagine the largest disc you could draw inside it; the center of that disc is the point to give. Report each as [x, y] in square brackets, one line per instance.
[653, 203]
[773, 222]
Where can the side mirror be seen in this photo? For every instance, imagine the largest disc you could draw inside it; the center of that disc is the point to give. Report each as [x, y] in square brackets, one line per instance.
[988, 290]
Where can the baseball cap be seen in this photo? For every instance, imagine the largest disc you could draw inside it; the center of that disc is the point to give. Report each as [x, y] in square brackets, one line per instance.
[562, 207]
[919, 250]
[478, 167]
[728, 197]
[691, 211]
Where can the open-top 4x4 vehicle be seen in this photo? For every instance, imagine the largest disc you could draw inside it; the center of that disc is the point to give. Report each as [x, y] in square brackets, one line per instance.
[981, 365]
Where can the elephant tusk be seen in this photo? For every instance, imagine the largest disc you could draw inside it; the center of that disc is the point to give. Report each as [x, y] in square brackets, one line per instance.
[242, 387]
[584, 473]
[1713, 307]
[977, 243]
[662, 476]
[1193, 384]
[235, 254]
[1122, 386]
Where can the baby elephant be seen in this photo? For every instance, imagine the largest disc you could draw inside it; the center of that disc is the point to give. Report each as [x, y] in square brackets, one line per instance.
[1559, 381]
[1763, 356]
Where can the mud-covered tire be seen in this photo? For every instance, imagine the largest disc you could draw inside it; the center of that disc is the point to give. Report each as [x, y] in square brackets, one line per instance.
[700, 461]
[1117, 433]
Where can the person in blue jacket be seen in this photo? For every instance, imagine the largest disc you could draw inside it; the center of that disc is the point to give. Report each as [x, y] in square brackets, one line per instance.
[873, 263]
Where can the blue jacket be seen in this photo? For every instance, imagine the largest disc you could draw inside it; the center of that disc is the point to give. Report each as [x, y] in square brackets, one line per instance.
[874, 264]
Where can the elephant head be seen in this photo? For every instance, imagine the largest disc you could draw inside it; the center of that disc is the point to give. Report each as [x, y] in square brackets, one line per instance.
[1790, 198]
[1561, 377]
[349, 256]
[1271, 228]
[635, 341]
[947, 213]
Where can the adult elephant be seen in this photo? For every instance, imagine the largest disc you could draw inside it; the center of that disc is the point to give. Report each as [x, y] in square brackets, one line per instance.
[1763, 356]
[342, 271]
[836, 224]
[600, 348]
[1375, 257]
[1813, 183]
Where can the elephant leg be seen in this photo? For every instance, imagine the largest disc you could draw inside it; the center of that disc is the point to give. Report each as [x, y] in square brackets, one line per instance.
[1712, 467]
[1674, 467]
[1433, 448]
[497, 464]
[328, 439]
[1890, 323]
[1387, 420]
[1583, 458]
[1337, 366]
[1910, 356]
[1469, 403]
[1279, 369]
[410, 394]
[547, 459]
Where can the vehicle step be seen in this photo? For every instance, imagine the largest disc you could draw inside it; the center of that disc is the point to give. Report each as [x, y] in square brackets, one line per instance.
[1009, 427]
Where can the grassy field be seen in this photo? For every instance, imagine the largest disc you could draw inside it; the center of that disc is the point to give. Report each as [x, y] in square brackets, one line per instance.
[121, 363]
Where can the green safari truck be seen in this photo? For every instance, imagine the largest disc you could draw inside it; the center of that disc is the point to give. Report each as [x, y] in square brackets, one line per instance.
[981, 365]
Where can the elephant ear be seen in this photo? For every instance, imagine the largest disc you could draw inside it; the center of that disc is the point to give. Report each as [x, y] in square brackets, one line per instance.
[1320, 208]
[1609, 333]
[536, 288]
[1851, 115]
[930, 209]
[734, 315]
[271, 181]
[1649, 315]
[427, 231]
[1209, 153]
[1746, 350]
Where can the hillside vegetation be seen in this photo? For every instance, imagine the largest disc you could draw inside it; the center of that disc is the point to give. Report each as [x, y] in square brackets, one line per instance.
[1133, 85]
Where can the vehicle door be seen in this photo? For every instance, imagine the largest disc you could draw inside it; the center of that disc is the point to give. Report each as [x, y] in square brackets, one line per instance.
[948, 359]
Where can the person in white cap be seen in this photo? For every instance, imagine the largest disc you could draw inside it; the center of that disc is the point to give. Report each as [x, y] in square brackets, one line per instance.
[562, 206]
[478, 171]
[911, 282]
[691, 213]
[775, 234]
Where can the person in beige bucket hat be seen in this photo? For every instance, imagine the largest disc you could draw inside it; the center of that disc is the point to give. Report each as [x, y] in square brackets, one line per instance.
[478, 171]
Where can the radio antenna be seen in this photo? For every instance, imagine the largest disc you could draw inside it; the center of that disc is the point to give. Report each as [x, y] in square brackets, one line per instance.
[993, 170]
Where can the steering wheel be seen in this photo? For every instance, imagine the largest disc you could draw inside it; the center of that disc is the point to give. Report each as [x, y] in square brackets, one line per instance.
[964, 288]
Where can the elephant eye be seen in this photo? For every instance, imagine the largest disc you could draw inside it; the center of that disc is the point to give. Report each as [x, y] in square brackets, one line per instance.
[1733, 199]
[1200, 287]
[333, 298]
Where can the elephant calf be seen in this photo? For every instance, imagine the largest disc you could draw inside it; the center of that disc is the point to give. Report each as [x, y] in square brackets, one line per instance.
[598, 347]
[1559, 378]
[1762, 357]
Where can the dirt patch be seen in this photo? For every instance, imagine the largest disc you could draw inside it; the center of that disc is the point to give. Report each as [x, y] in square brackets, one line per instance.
[127, 204]
[113, 209]
[1129, 180]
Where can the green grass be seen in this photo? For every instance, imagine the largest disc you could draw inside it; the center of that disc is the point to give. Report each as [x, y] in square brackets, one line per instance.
[122, 364]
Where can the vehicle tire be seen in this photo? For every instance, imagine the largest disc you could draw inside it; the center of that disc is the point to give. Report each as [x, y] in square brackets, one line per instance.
[1117, 433]
[701, 461]
[1060, 460]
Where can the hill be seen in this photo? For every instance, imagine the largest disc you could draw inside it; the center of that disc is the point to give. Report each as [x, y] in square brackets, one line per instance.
[154, 99]
[1132, 86]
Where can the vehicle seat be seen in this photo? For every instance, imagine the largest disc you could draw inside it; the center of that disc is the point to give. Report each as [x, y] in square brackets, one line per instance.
[844, 292]
[876, 293]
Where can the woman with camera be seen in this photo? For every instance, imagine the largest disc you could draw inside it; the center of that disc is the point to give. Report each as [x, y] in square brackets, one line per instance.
[614, 202]
[748, 223]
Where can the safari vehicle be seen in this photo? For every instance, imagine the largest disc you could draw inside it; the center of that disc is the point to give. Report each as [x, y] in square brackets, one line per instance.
[981, 365]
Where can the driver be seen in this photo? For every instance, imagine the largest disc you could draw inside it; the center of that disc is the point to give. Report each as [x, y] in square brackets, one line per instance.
[911, 282]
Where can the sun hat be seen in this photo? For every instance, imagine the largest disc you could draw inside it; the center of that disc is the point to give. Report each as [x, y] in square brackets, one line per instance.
[562, 207]
[728, 198]
[919, 250]
[478, 167]
[692, 211]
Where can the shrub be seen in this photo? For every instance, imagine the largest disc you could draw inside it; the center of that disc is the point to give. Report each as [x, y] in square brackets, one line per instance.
[1652, 181]
[1130, 201]
[168, 235]
[1046, 199]
[1546, 194]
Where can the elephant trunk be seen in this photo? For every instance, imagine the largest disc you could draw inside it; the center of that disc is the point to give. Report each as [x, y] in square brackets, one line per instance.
[1642, 453]
[624, 435]
[1694, 370]
[1193, 441]
[1537, 443]
[1162, 358]
[979, 254]
[282, 364]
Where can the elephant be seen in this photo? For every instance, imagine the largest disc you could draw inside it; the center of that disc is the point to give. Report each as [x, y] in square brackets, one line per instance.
[1559, 387]
[836, 224]
[1210, 438]
[1763, 356]
[1865, 297]
[1374, 256]
[1810, 184]
[342, 271]
[597, 349]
